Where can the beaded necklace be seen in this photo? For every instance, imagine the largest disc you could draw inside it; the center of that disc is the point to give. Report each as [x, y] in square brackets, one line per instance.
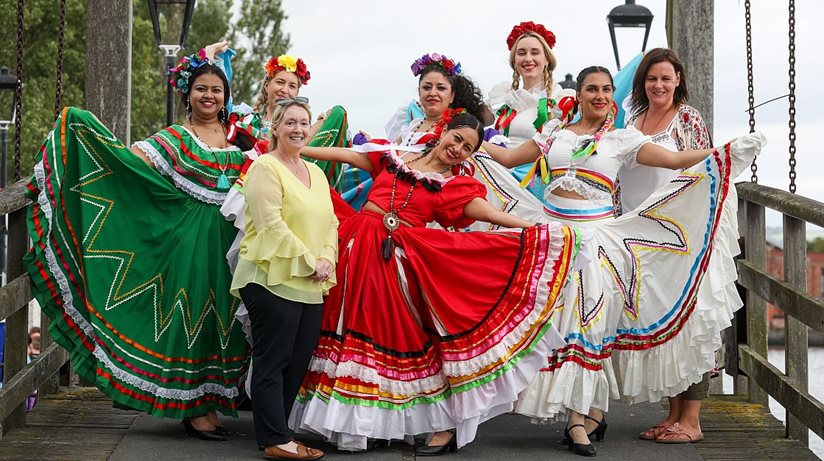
[222, 184]
[391, 220]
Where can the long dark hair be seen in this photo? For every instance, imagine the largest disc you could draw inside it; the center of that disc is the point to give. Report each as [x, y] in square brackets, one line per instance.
[639, 100]
[467, 120]
[207, 68]
[467, 95]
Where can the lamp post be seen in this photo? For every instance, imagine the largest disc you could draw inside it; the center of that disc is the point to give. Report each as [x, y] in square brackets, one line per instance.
[8, 82]
[568, 83]
[170, 50]
[629, 15]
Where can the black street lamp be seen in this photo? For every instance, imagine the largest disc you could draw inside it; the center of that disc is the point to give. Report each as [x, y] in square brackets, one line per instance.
[629, 15]
[170, 51]
[8, 82]
[568, 83]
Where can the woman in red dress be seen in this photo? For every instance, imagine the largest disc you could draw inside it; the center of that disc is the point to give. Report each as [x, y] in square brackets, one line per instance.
[415, 338]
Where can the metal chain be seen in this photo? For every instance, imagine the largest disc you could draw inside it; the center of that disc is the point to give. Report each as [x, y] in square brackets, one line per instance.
[792, 95]
[58, 90]
[18, 92]
[750, 87]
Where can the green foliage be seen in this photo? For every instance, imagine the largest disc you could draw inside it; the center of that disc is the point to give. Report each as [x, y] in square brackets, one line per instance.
[256, 36]
[209, 24]
[816, 245]
[41, 19]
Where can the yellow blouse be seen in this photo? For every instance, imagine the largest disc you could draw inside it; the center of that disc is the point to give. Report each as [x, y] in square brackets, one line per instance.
[288, 228]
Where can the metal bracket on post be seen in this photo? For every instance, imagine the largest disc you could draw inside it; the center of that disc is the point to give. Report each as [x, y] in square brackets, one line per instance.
[170, 52]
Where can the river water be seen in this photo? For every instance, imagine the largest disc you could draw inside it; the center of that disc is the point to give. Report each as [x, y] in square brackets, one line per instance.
[816, 387]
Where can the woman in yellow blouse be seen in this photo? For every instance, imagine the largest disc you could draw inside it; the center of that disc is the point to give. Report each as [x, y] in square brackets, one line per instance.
[285, 267]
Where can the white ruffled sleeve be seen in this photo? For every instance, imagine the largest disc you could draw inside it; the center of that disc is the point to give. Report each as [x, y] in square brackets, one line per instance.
[542, 138]
[497, 95]
[629, 143]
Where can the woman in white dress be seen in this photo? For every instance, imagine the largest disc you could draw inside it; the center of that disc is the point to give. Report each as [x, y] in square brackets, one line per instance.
[618, 305]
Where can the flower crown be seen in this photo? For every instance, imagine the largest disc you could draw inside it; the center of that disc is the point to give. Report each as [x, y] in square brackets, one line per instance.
[530, 26]
[288, 63]
[184, 69]
[452, 67]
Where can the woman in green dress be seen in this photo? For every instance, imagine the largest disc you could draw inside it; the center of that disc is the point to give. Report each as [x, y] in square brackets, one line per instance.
[128, 256]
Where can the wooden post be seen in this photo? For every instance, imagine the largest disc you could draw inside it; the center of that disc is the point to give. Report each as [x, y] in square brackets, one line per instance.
[18, 323]
[795, 354]
[740, 381]
[690, 35]
[756, 252]
[109, 63]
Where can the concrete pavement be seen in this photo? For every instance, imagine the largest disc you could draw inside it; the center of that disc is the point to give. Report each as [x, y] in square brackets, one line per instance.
[508, 437]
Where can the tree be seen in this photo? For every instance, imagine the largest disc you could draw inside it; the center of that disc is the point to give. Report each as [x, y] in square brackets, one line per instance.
[257, 35]
[39, 68]
[209, 24]
[259, 23]
[816, 245]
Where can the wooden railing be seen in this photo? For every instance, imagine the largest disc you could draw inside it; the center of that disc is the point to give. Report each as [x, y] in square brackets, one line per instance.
[19, 378]
[790, 294]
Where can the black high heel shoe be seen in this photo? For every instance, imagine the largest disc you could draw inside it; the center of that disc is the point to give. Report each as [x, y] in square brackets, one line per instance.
[599, 432]
[223, 431]
[438, 450]
[191, 431]
[578, 448]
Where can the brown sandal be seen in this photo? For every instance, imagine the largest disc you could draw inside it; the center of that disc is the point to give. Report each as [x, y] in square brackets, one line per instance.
[655, 431]
[678, 434]
[304, 452]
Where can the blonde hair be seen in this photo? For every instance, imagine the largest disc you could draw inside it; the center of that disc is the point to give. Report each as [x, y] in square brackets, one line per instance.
[262, 100]
[277, 117]
[551, 62]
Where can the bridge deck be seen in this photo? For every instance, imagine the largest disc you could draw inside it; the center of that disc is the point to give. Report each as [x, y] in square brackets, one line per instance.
[80, 424]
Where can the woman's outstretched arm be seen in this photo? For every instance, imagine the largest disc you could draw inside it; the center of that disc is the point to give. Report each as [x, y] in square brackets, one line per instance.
[527, 152]
[480, 210]
[338, 154]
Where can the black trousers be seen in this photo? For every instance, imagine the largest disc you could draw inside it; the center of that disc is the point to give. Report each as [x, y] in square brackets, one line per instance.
[284, 334]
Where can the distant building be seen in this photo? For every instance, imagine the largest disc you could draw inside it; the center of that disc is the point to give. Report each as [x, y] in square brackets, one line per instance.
[775, 267]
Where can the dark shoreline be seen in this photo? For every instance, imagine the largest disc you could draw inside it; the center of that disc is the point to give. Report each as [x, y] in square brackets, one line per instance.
[775, 337]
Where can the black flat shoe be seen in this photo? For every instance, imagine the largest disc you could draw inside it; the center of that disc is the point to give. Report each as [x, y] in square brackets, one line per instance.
[372, 444]
[438, 450]
[213, 436]
[579, 448]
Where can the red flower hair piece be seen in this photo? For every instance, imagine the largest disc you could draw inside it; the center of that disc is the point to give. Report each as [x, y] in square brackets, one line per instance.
[289, 64]
[446, 117]
[530, 26]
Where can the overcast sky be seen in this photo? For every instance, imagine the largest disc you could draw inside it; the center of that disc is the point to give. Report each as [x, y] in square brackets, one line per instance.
[359, 53]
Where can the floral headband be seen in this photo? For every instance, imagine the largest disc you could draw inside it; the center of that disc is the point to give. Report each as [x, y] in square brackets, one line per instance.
[288, 63]
[184, 69]
[530, 26]
[452, 67]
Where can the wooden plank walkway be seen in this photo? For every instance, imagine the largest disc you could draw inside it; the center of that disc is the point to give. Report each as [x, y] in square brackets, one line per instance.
[77, 423]
[80, 424]
[736, 429]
